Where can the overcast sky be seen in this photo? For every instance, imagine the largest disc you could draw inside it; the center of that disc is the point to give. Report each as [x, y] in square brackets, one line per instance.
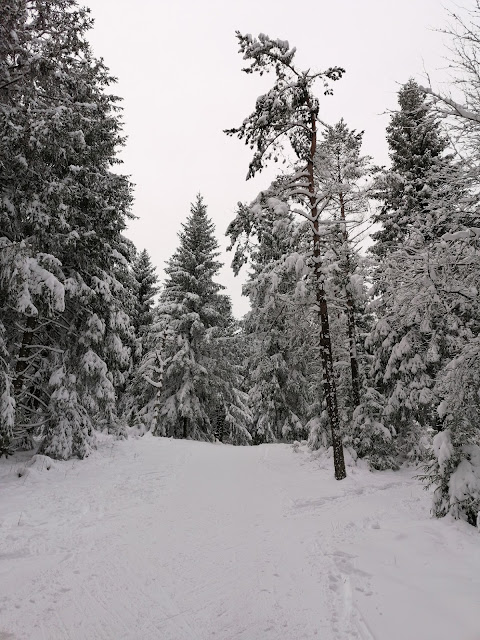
[179, 73]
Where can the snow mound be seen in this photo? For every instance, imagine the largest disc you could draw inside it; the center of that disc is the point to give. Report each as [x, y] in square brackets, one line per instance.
[36, 464]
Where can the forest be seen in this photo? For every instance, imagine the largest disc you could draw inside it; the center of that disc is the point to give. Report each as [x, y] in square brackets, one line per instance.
[363, 338]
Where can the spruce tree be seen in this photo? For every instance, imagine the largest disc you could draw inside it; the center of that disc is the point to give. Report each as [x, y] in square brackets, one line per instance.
[454, 469]
[418, 165]
[197, 393]
[404, 378]
[414, 336]
[64, 260]
[146, 278]
[146, 288]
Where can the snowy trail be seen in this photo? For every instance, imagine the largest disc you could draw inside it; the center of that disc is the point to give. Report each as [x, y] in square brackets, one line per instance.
[161, 539]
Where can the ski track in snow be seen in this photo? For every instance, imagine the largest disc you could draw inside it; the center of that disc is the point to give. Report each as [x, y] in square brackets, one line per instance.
[159, 539]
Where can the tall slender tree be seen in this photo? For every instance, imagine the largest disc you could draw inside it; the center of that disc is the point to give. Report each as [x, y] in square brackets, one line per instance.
[341, 169]
[288, 114]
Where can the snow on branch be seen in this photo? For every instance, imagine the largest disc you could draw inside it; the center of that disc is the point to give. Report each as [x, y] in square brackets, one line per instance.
[456, 109]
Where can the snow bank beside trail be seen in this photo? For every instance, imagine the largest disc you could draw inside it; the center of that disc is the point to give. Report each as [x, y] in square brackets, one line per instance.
[165, 539]
[409, 575]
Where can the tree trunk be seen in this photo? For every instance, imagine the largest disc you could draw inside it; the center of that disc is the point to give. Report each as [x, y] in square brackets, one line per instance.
[21, 438]
[352, 340]
[329, 386]
[22, 359]
[219, 422]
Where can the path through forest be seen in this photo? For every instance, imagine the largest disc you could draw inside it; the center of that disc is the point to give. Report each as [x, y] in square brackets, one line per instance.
[159, 539]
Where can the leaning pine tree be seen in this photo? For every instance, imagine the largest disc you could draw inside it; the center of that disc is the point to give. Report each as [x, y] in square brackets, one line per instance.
[288, 114]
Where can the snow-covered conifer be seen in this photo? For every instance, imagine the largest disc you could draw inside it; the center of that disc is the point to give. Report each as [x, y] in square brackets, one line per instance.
[278, 357]
[193, 334]
[62, 213]
[413, 335]
[418, 164]
[344, 172]
[145, 276]
[455, 467]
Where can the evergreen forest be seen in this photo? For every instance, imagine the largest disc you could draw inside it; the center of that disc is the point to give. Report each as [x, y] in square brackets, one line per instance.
[363, 335]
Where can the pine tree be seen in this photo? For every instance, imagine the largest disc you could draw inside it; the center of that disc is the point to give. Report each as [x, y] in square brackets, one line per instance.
[200, 391]
[288, 114]
[342, 170]
[285, 394]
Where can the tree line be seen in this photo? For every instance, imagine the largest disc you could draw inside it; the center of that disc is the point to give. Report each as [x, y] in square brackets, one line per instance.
[371, 351]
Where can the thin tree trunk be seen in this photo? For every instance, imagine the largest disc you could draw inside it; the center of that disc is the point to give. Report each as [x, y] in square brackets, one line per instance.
[329, 386]
[354, 368]
[20, 437]
[22, 359]
[220, 422]
[353, 349]
[158, 395]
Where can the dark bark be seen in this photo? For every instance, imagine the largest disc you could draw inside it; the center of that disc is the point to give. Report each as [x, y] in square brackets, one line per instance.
[219, 427]
[20, 437]
[352, 340]
[329, 386]
[22, 359]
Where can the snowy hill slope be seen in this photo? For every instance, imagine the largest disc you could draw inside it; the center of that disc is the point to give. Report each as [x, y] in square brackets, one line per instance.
[159, 539]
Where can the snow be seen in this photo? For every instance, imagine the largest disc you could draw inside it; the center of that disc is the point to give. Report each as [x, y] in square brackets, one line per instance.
[279, 207]
[154, 538]
[473, 232]
[442, 447]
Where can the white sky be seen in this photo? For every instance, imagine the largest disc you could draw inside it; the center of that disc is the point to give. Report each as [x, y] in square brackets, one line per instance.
[180, 76]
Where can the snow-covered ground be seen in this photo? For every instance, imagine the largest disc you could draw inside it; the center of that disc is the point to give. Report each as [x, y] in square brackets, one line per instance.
[158, 539]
